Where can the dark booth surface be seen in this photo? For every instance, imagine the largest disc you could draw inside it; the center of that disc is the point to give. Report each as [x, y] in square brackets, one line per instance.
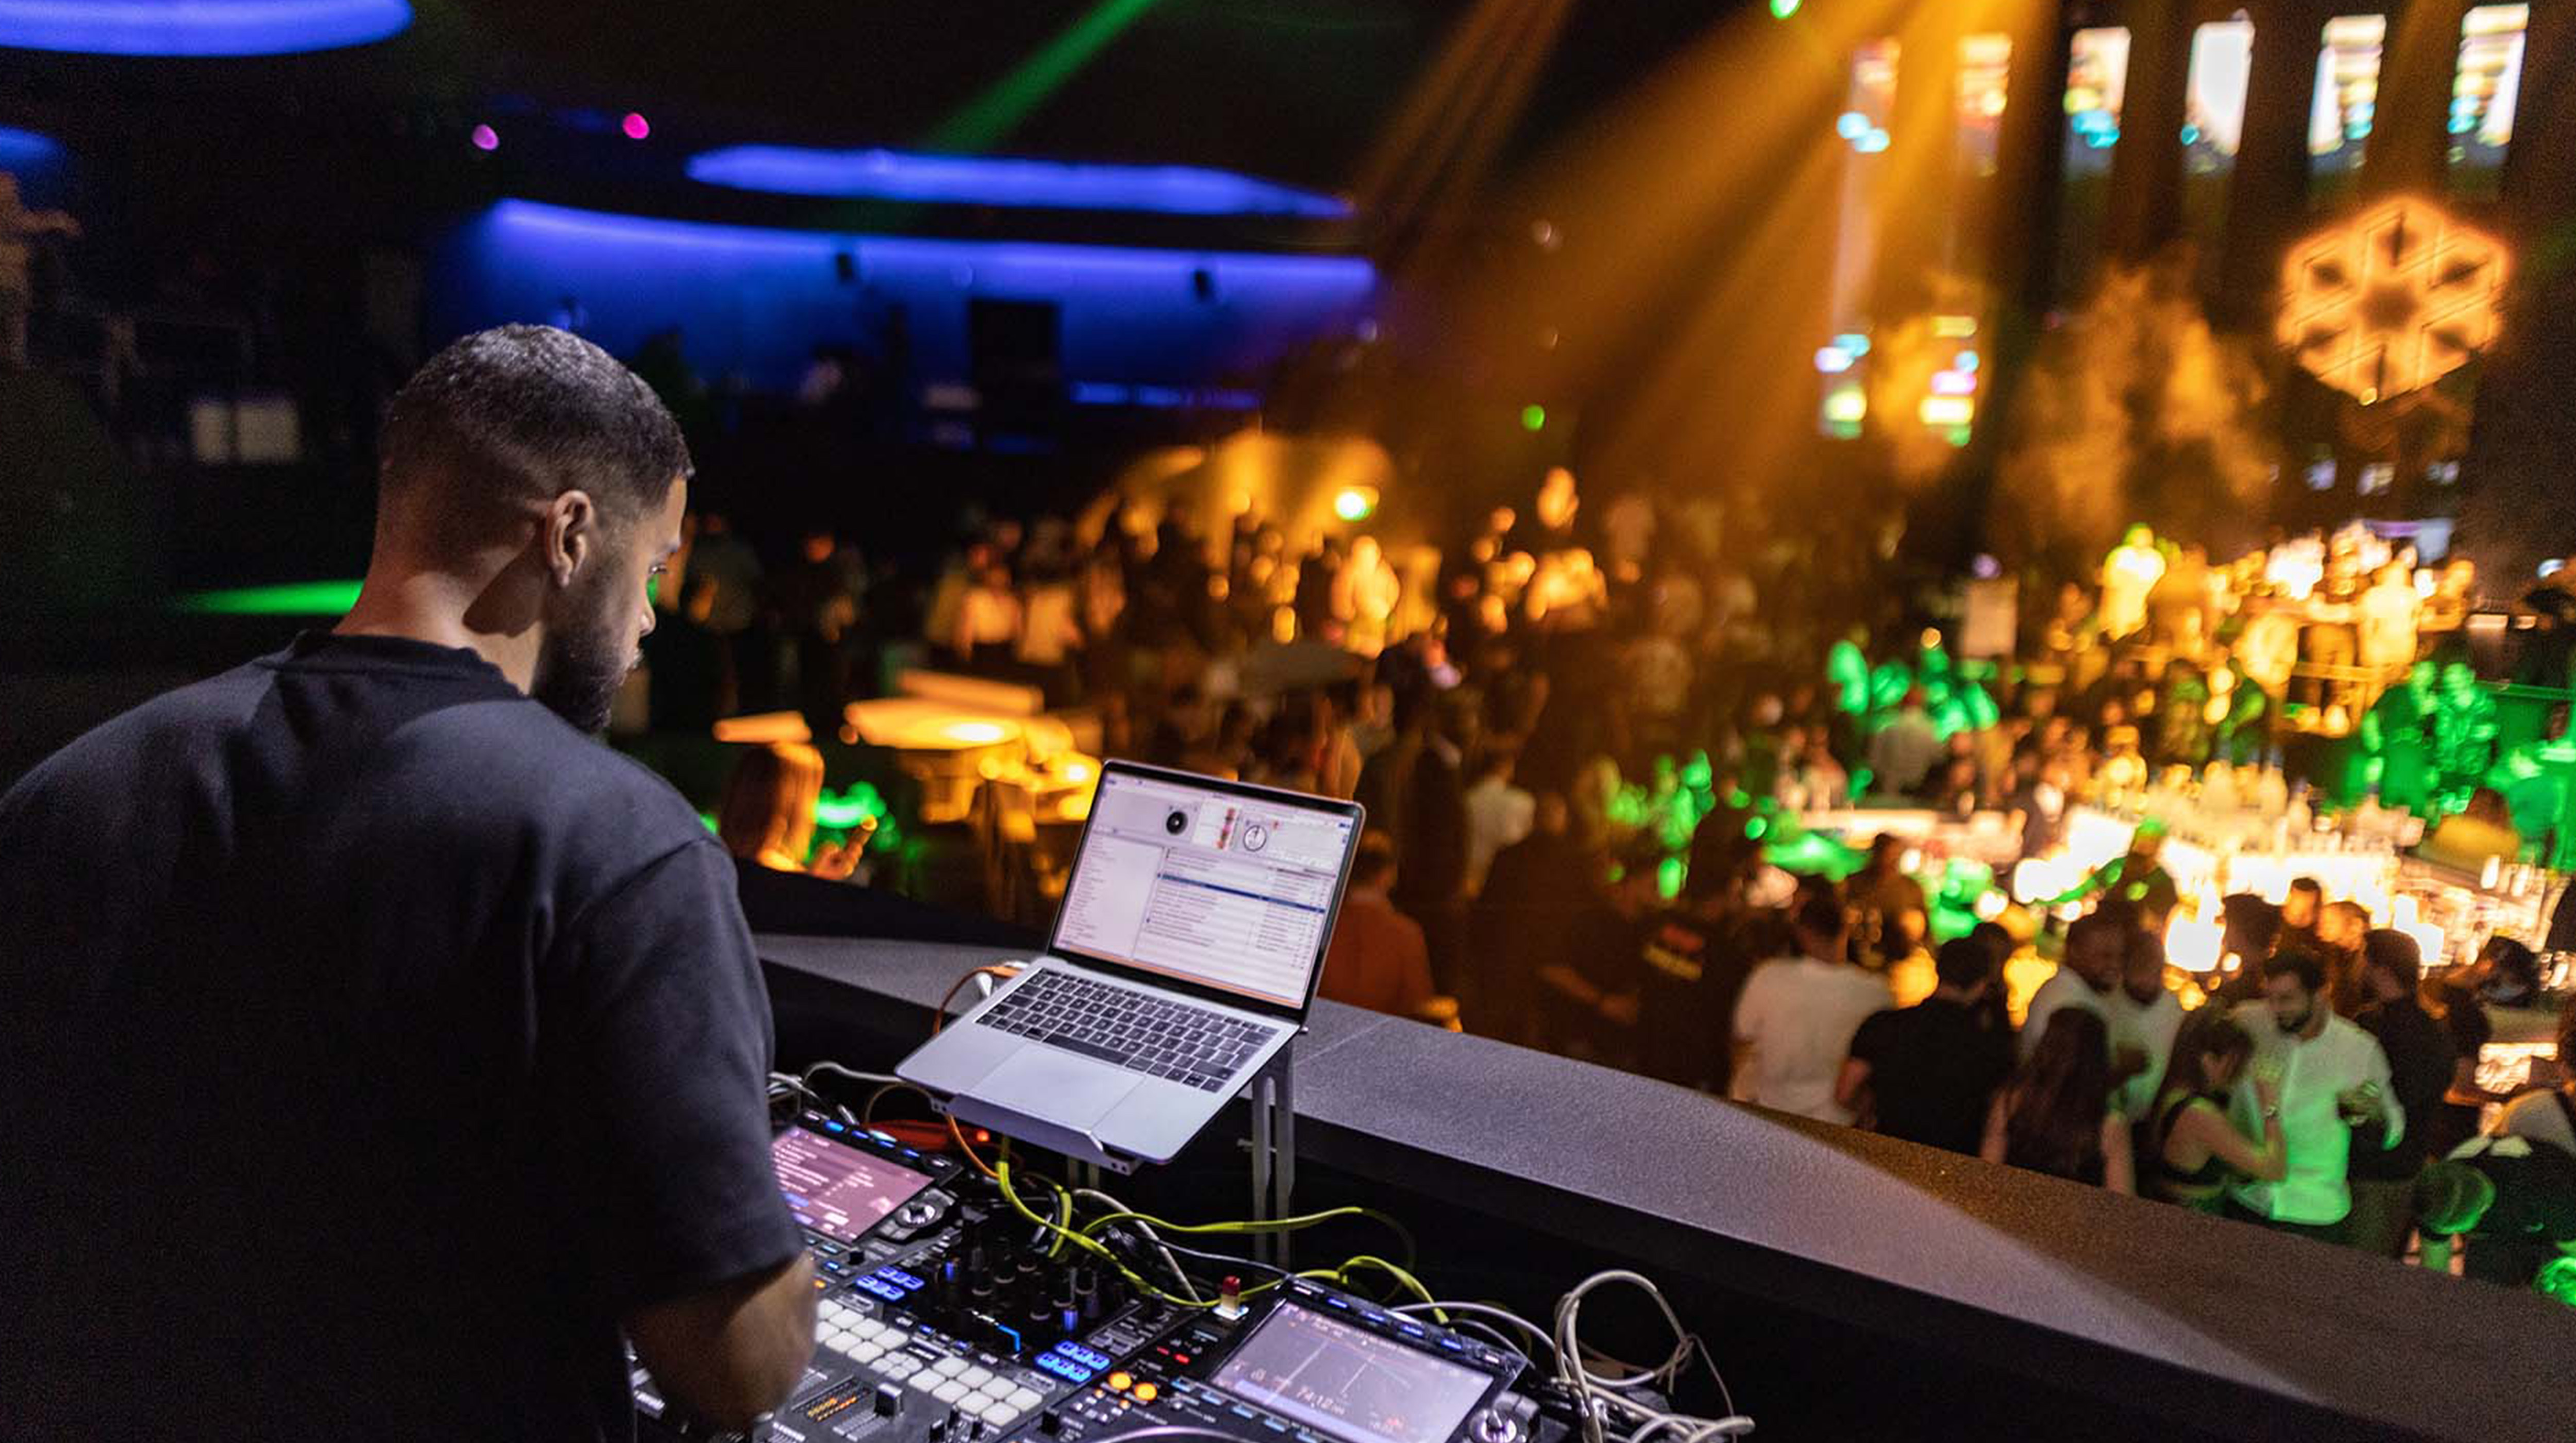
[1852, 1285]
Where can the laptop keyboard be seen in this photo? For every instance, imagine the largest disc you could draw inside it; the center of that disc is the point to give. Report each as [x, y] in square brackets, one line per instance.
[1140, 1031]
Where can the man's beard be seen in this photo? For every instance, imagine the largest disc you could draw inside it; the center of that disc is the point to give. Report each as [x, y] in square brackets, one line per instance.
[2293, 1029]
[581, 666]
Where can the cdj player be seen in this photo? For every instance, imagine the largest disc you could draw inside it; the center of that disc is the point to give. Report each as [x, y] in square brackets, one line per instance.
[944, 1319]
[1309, 1364]
[936, 1322]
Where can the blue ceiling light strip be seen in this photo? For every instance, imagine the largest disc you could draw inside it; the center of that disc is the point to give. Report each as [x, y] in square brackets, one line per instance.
[606, 232]
[893, 175]
[198, 27]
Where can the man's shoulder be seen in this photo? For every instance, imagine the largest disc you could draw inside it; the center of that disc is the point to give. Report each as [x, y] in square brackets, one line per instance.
[165, 730]
[513, 759]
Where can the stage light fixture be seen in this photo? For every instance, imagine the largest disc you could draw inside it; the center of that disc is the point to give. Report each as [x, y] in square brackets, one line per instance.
[1783, 9]
[1355, 503]
[635, 126]
[2392, 300]
[1533, 418]
[486, 138]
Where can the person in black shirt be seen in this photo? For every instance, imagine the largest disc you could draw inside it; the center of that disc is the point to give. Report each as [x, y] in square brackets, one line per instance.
[1588, 994]
[1524, 920]
[1691, 965]
[1932, 1069]
[379, 1048]
[2419, 1072]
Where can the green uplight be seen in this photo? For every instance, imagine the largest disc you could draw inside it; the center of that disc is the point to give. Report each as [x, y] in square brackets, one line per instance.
[1783, 9]
[992, 115]
[1533, 418]
[295, 598]
[842, 811]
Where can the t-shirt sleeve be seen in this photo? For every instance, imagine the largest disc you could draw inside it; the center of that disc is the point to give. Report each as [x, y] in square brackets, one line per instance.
[1749, 1003]
[659, 1056]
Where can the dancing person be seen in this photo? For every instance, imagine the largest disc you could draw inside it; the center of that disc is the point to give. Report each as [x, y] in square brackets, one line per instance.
[2419, 1071]
[2190, 1151]
[1928, 1072]
[2055, 1116]
[1796, 1018]
[2335, 1096]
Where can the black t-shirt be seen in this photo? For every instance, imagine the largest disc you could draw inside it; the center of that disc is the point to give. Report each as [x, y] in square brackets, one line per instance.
[373, 1043]
[1689, 971]
[2534, 1210]
[2419, 1072]
[1934, 1068]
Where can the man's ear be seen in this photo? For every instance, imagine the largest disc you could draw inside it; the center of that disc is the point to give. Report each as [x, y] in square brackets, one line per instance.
[568, 536]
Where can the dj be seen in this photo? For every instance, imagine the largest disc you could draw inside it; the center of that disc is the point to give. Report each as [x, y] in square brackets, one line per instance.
[377, 1046]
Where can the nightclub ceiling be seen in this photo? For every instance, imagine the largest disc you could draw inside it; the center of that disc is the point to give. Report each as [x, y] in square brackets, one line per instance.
[1293, 91]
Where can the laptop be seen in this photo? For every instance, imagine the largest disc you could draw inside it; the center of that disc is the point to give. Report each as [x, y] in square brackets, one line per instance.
[1184, 957]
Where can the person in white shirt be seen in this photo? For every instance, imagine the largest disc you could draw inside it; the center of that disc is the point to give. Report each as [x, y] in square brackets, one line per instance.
[1904, 749]
[1795, 1019]
[2097, 956]
[1498, 814]
[2145, 1017]
[2332, 1081]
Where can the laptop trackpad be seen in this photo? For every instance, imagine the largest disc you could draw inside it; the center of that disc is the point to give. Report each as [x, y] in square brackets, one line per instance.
[1055, 1086]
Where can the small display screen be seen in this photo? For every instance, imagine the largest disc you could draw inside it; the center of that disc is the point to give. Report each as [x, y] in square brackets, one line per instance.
[836, 1189]
[1348, 1382]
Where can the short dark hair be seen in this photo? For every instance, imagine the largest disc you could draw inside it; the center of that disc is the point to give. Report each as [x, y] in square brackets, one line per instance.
[2307, 884]
[1963, 962]
[2394, 953]
[1375, 860]
[2102, 920]
[1820, 914]
[520, 414]
[2297, 962]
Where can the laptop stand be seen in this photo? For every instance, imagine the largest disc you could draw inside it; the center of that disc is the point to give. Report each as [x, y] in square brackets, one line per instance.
[1272, 1094]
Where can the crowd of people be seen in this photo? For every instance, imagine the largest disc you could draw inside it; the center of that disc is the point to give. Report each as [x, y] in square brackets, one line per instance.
[1529, 717]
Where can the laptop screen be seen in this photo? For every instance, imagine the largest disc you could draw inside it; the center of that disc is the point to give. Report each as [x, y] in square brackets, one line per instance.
[1225, 889]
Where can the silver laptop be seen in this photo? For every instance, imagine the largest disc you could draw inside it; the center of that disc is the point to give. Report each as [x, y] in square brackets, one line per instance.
[1184, 957]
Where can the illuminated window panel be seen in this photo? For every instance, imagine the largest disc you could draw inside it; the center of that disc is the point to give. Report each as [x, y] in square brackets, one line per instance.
[2097, 80]
[1869, 103]
[1985, 76]
[2346, 99]
[2483, 93]
[2097, 77]
[2213, 124]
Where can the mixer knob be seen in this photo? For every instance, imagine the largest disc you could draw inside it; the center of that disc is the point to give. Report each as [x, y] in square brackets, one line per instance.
[1489, 1426]
[918, 1214]
[889, 1400]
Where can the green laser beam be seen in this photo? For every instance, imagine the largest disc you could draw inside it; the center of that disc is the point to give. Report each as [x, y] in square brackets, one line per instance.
[993, 114]
[294, 598]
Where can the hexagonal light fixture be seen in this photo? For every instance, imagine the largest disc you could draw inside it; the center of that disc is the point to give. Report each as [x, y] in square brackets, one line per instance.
[2392, 299]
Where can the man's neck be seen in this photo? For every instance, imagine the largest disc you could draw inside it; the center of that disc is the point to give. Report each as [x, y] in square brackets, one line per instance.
[444, 610]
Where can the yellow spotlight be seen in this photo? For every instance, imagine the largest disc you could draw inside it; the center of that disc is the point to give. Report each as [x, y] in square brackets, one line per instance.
[1947, 410]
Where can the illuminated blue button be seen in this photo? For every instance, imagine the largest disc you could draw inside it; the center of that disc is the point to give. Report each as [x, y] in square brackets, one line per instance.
[898, 1276]
[1410, 1330]
[1453, 1345]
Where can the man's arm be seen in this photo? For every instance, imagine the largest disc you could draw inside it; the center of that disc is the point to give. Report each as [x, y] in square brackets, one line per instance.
[661, 1036]
[731, 1353]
